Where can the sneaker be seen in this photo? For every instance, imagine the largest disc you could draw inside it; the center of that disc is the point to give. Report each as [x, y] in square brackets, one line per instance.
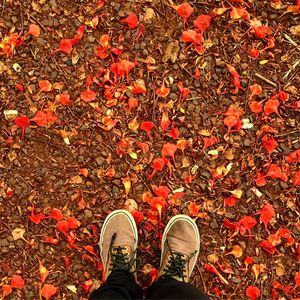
[180, 248]
[118, 242]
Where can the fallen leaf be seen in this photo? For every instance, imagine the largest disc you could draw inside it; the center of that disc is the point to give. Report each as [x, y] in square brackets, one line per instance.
[202, 22]
[34, 30]
[48, 290]
[252, 292]
[18, 233]
[131, 20]
[184, 10]
[17, 282]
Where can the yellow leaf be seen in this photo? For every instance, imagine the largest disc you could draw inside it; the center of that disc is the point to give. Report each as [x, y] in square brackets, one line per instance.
[133, 155]
[263, 62]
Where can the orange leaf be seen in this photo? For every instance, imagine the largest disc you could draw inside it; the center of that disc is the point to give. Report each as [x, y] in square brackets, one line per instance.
[236, 251]
[277, 173]
[219, 11]
[255, 107]
[127, 185]
[193, 209]
[261, 32]
[34, 30]
[63, 99]
[48, 291]
[147, 127]
[202, 22]
[255, 89]
[43, 272]
[163, 91]
[165, 122]
[6, 290]
[169, 150]
[45, 86]
[271, 106]
[184, 10]
[88, 95]
[192, 36]
[42, 118]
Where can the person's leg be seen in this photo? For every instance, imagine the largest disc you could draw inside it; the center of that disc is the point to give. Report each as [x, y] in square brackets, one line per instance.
[169, 288]
[179, 253]
[119, 285]
[118, 243]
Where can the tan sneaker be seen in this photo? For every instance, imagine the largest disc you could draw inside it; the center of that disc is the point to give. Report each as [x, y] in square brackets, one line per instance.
[180, 248]
[118, 242]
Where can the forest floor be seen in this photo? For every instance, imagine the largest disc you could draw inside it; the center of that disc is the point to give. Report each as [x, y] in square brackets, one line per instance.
[160, 109]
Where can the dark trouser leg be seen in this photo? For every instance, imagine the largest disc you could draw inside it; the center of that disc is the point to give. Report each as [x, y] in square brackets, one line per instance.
[168, 288]
[119, 285]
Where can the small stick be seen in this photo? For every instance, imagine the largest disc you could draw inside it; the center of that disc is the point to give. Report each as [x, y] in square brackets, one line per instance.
[294, 66]
[265, 79]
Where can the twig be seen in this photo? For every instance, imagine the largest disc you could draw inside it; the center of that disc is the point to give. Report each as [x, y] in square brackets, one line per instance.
[291, 41]
[294, 66]
[35, 19]
[265, 79]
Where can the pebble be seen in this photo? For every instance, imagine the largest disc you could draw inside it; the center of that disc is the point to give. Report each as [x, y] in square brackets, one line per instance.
[117, 7]
[213, 224]
[99, 160]
[88, 214]
[4, 243]
[247, 142]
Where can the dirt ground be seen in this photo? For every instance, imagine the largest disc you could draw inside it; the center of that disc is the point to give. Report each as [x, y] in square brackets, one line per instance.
[236, 166]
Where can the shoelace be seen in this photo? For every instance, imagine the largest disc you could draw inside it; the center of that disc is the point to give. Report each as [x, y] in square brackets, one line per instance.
[119, 259]
[176, 264]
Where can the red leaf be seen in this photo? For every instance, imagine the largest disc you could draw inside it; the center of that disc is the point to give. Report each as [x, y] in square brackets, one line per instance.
[253, 52]
[255, 107]
[34, 30]
[63, 226]
[143, 146]
[236, 77]
[158, 165]
[246, 224]
[140, 32]
[209, 141]
[45, 86]
[48, 291]
[293, 157]
[22, 122]
[55, 214]
[51, 240]
[192, 36]
[36, 218]
[147, 127]
[63, 99]
[121, 68]
[73, 223]
[252, 292]
[184, 92]
[17, 282]
[169, 150]
[163, 91]
[173, 133]
[161, 191]
[261, 32]
[101, 52]
[193, 209]
[65, 46]
[296, 178]
[277, 173]
[42, 118]
[88, 95]
[230, 201]
[184, 10]
[255, 89]
[19, 87]
[138, 217]
[297, 280]
[131, 20]
[260, 179]
[79, 34]
[202, 22]
[231, 122]
[271, 106]
[266, 214]
[283, 96]
[234, 111]
[267, 246]
[269, 143]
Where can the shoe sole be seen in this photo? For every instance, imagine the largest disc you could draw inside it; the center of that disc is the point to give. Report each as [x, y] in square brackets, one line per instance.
[170, 224]
[132, 223]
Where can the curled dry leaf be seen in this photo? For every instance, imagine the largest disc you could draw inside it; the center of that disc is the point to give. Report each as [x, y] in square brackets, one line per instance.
[18, 233]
